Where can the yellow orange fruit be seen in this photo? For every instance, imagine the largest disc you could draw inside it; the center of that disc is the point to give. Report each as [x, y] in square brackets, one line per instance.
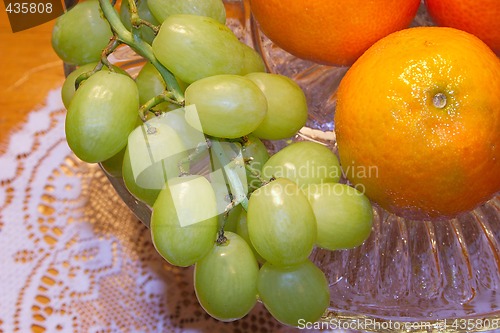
[331, 32]
[418, 122]
[479, 17]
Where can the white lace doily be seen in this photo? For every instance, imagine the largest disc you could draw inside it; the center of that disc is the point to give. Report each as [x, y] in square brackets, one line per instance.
[74, 258]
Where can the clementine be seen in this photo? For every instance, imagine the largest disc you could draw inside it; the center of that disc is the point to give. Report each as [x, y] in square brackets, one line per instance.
[331, 32]
[418, 122]
[479, 17]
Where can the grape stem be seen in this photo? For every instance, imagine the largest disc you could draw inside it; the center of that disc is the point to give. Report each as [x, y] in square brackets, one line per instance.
[238, 190]
[227, 210]
[136, 21]
[112, 45]
[221, 238]
[141, 47]
[166, 96]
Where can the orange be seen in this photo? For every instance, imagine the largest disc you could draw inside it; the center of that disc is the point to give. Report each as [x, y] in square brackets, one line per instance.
[479, 17]
[418, 122]
[332, 32]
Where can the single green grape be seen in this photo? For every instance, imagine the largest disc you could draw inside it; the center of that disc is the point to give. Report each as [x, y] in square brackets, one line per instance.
[286, 106]
[343, 215]
[157, 151]
[147, 195]
[242, 230]
[304, 162]
[146, 33]
[113, 165]
[256, 155]
[184, 220]
[80, 34]
[101, 115]
[68, 87]
[281, 223]
[252, 61]
[162, 9]
[194, 47]
[228, 106]
[294, 294]
[225, 280]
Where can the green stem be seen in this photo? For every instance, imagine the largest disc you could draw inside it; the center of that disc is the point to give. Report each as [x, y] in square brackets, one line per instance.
[239, 193]
[141, 47]
[166, 96]
[136, 20]
[112, 45]
[221, 239]
[134, 15]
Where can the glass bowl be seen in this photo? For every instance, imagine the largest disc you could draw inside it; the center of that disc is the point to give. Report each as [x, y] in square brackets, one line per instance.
[412, 276]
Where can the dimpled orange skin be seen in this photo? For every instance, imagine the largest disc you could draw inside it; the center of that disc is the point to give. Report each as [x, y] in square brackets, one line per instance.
[478, 17]
[413, 158]
[332, 32]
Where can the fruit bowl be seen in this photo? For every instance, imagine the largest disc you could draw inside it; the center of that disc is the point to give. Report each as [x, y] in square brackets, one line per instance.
[409, 275]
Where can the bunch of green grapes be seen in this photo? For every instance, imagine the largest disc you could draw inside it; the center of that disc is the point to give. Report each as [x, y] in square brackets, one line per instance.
[203, 97]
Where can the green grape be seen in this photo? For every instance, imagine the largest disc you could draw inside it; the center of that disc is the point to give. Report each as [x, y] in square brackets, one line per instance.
[255, 152]
[194, 47]
[80, 34]
[162, 9]
[343, 215]
[147, 195]
[146, 33]
[242, 231]
[184, 220]
[113, 165]
[149, 82]
[101, 115]
[252, 61]
[228, 106]
[286, 106]
[281, 223]
[190, 136]
[304, 162]
[225, 280]
[294, 294]
[156, 149]
[68, 87]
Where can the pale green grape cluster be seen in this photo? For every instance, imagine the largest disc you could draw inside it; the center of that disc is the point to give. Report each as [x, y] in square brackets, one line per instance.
[186, 137]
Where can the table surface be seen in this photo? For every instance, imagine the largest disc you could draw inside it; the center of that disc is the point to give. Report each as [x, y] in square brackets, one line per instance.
[29, 70]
